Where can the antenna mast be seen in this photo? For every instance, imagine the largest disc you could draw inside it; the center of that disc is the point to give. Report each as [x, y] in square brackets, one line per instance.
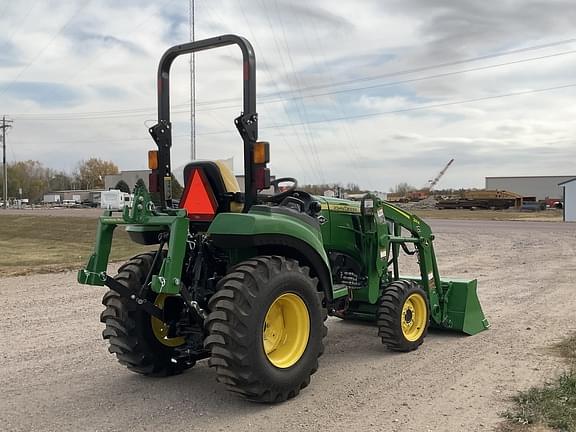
[192, 86]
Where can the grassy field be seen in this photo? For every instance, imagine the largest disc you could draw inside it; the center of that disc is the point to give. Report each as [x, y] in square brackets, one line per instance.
[551, 407]
[547, 215]
[53, 243]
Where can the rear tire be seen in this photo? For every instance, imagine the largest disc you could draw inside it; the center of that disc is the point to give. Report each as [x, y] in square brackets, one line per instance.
[266, 328]
[403, 316]
[139, 340]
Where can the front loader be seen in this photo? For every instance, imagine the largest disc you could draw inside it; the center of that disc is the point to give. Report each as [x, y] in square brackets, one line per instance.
[247, 279]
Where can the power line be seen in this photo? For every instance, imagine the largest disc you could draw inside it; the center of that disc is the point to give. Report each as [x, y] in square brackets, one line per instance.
[20, 25]
[443, 65]
[428, 77]
[411, 71]
[39, 54]
[296, 135]
[416, 108]
[297, 81]
[127, 110]
[360, 116]
[313, 158]
[138, 112]
[79, 70]
[346, 144]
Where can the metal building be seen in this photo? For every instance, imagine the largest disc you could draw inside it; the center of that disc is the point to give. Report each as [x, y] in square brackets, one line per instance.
[540, 187]
[130, 177]
[569, 200]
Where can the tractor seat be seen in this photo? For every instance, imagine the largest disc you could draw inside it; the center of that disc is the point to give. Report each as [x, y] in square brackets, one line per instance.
[210, 188]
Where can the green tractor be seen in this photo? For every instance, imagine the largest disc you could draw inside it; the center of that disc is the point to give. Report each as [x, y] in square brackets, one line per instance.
[247, 279]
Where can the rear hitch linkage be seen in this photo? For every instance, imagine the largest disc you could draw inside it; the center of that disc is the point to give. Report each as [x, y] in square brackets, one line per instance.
[124, 292]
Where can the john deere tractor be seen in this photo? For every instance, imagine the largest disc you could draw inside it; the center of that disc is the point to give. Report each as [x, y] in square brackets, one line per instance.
[247, 279]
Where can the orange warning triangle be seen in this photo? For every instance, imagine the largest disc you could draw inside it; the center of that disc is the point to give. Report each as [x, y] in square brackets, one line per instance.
[198, 201]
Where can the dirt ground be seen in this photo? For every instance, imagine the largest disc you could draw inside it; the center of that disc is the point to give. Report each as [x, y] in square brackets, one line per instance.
[56, 373]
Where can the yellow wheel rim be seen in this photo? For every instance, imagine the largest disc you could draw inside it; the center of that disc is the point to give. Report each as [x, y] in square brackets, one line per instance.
[160, 329]
[414, 317]
[286, 330]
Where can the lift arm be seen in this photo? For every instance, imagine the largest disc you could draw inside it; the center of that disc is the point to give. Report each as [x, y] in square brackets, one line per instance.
[422, 239]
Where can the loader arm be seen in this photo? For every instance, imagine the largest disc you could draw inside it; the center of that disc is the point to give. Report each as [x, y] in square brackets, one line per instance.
[453, 303]
[422, 239]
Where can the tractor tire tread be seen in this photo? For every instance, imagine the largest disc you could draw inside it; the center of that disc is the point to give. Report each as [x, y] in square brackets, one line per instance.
[237, 294]
[121, 328]
[389, 311]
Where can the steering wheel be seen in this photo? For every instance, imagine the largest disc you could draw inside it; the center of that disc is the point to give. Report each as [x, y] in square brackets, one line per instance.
[279, 196]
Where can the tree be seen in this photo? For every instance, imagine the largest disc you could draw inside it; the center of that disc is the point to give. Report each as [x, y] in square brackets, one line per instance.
[319, 189]
[90, 174]
[352, 188]
[177, 190]
[402, 188]
[139, 182]
[58, 180]
[122, 186]
[30, 176]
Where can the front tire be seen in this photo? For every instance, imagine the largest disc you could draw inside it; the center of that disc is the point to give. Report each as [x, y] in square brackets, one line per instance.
[266, 328]
[140, 341]
[403, 316]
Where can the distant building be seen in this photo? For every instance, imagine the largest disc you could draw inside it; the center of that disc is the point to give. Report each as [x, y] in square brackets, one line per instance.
[539, 187]
[130, 177]
[569, 200]
[88, 197]
[52, 198]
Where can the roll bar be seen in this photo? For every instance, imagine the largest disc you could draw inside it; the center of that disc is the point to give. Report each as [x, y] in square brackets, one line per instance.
[246, 123]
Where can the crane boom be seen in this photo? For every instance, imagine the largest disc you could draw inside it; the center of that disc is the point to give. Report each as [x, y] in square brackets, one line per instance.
[439, 176]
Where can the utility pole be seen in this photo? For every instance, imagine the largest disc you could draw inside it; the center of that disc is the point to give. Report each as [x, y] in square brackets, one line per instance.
[192, 86]
[5, 125]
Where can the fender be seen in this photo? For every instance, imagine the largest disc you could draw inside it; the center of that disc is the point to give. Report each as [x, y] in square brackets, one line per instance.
[271, 229]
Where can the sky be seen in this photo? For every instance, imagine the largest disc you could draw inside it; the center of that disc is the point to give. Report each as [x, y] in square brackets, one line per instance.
[370, 92]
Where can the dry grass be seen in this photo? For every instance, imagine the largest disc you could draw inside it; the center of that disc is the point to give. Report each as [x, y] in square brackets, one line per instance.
[504, 215]
[551, 407]
[41, 244]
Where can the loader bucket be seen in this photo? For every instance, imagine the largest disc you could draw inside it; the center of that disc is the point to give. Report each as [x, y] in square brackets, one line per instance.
[464, 312]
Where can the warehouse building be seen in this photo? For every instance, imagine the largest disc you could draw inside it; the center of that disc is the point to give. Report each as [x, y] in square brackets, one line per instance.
[569, 200]
[538, 187]
[87, 197]
[130, 177]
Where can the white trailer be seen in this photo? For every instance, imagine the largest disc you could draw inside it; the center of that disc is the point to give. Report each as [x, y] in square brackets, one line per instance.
[51, 199]
[115, 199]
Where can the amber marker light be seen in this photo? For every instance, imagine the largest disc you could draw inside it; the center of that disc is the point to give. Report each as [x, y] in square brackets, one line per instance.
[261, 154]
[153, 159]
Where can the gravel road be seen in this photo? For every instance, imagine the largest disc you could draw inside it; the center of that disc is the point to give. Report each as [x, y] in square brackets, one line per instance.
[56, 373]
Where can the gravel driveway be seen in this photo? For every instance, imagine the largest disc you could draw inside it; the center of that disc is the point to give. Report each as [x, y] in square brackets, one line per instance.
[56, 373]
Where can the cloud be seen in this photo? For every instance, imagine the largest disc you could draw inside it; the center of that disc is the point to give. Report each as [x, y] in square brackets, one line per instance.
[9, 55]
[86, 40]
[317, 62]
[46, 94]
[290, 12]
